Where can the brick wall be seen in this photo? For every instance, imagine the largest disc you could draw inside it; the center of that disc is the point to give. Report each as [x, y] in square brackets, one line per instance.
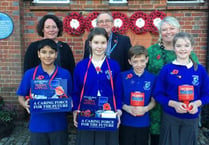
[193, 19]
[11, 54]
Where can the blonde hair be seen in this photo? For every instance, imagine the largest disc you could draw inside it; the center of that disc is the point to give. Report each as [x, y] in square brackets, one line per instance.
[171, 21]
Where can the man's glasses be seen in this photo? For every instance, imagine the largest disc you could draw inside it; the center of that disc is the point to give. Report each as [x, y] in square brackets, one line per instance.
[104, 21]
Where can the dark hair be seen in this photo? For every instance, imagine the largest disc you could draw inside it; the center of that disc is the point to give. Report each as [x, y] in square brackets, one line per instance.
[41, 22]
[183, 35]
[137, 50]
[47, 42]
[188, 36]
[96, 31]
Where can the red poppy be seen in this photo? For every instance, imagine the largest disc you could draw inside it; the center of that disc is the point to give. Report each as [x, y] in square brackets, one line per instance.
[27, 97]
[175, 71]
[158, 56]
[106, 106]
[59, 90]
[40, 77]
[129, 76]
[87, 113]
[82, 113]
[98, 69]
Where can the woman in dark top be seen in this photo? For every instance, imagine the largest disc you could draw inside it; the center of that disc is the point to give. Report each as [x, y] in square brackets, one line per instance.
[50, 27]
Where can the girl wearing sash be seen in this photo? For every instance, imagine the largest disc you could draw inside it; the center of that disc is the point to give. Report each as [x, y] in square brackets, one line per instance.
[45, 128]
[181, 89]
[97, 80]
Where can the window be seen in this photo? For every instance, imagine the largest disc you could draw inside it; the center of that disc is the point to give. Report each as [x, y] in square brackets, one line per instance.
[118, 1]
[185, 1]
[51, 1]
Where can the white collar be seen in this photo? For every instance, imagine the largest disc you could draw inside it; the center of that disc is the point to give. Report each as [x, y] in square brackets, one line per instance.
[98, 63]
[189, 65]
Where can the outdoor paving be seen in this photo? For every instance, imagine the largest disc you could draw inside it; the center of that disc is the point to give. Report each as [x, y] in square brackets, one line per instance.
[20, 136]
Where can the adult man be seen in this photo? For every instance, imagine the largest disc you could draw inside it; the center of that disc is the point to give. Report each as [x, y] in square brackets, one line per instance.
[118, 45]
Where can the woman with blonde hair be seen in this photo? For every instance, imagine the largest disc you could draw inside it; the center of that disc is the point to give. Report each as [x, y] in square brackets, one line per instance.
[160, 54]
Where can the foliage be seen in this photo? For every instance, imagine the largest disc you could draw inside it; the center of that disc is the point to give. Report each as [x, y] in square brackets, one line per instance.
[205, 116]
[7, 112]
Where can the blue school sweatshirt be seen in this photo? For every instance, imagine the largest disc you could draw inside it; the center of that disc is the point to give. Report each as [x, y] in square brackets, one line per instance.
[173, 75]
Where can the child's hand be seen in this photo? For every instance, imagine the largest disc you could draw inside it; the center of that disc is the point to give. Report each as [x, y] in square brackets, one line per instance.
[27, 105]
[24, 103]
[129, 109]
[118, 113]
[140, 111]
[194, 106]
[75, 115]
[181, 107]
[178, 106]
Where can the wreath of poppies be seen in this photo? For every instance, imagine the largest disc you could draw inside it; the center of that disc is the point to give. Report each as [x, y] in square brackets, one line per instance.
[74, 24]
[120, 22]
[138, 22]
[91, 20]
[154, 19]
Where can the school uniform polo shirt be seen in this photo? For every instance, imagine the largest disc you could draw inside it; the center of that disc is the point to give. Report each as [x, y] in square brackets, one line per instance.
[45, 122]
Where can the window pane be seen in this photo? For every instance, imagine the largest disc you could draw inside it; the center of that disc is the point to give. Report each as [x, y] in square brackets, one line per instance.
[51, 1]
[185, 1]
[118, 1]
[182, 0]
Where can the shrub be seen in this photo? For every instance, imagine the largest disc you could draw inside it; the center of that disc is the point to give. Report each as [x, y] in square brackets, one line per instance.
[7, 112]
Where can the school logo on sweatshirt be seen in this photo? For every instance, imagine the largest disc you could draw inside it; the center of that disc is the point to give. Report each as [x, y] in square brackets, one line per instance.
[147, 85]
[195, 81]
[108, 74]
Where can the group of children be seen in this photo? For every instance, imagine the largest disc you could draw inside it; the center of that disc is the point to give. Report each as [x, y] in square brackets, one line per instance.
[134, 93]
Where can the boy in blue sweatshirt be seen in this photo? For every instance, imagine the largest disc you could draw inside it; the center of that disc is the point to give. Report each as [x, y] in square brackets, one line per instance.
[45, 128]
[137, 99]
[181, 88]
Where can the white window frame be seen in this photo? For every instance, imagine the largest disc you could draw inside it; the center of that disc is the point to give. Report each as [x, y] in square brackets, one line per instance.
[179, 1]
[118, 2]
[51, 1]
